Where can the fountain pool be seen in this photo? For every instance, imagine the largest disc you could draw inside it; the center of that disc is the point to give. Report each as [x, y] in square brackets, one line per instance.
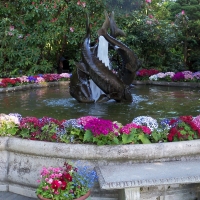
[156, 101]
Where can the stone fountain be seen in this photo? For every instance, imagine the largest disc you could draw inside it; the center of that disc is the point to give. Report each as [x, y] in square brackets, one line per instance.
[94, 79]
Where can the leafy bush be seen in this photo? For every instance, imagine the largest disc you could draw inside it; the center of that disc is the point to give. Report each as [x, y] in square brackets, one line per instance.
[35, 34]
[153, 40]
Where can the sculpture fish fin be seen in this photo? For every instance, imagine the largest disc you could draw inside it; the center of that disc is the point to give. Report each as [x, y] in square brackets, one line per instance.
[88, 31]
[115, 31]
[106, 23]
[103, 30]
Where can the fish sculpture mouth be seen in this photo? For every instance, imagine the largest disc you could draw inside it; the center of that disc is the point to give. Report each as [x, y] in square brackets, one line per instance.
[113, 85]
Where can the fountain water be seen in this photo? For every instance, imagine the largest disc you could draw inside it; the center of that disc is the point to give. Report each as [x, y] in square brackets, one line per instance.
[102, 54]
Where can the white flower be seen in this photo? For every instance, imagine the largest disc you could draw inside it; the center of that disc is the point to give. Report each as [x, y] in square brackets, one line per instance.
[146, 121]
[153, 77]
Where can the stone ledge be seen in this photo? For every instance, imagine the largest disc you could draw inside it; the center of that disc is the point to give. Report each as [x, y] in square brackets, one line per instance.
[148, 174]
[34, 86]
[136, 152]
[165, 83]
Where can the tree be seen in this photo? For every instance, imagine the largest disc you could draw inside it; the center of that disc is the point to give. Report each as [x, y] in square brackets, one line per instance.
[35, 34]
[190, 39]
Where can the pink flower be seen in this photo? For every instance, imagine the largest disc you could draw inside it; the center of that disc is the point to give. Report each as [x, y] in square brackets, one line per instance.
[50, 181]
[12, 28]
[83, 4]
[56, 192]
[128, 127]
[71, 29]
[183, 12]
[148, 22]
[146, 130]
[65, 75]
[148, 1]
[196, 121]
[151, 16]
[10, 33]
[79, 3]
[46, 187]
[84, 120]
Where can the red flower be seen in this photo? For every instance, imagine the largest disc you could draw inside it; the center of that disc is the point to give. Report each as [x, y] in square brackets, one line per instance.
[67, 177]
[63, 185]
[54, 137]
[55, 184]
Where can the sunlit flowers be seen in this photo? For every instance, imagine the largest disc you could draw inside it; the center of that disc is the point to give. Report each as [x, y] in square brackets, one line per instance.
[9, 124]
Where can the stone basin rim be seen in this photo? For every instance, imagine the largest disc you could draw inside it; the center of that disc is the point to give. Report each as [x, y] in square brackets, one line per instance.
[134, 152]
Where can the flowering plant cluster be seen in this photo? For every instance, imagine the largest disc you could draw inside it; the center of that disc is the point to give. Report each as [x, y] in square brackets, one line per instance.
[44, 129]
[9, 82]
[185, 76]
[135, 134]
[144, 74]
[8, 124]
[67, 182]
[94, 130]
[184, 128]
[72, 131]
[23, 80]
[101, 131]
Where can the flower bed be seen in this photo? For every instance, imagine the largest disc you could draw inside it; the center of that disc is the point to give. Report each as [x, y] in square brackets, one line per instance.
[39, 79]
[142, 75]
[94, 130]
[156, 75]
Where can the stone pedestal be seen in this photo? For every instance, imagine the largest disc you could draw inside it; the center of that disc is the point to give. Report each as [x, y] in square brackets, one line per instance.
[130, 194]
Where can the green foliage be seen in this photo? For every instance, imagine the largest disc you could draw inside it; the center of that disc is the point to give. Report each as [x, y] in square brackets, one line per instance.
[153, 40]
[72, 135]
[8, 128]
[101, 139]
[35, 34]
[189, 39]
[135, 138]
[159, 136]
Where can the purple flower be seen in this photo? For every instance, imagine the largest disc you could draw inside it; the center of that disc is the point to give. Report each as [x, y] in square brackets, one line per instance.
[179, 76]
[100, 126]
[31, 79]
[196, 75]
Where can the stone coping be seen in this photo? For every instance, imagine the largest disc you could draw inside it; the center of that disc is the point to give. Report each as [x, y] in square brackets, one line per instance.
[185, 150]
[34, 86]
[148, 174]
[165, 83]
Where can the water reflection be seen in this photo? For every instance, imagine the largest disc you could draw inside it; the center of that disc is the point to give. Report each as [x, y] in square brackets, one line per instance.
[154, 101]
